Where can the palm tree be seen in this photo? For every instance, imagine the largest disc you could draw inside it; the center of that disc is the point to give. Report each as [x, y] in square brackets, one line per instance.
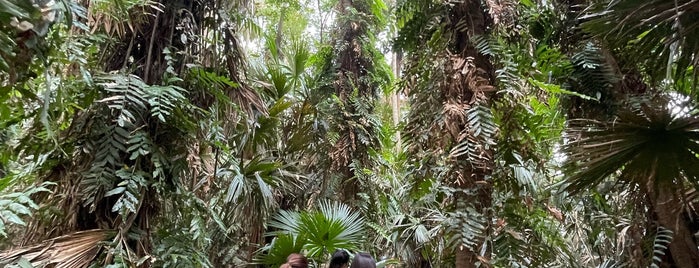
[134, 146]
[651, 148]
[646, 47]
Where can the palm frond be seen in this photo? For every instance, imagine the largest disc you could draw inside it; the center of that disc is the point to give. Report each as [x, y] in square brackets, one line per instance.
[465, 228]
[279, 249]
[664, 32]
[14, 206]
[650, 141]
[286, 222]
[332, 226]
[74, 250]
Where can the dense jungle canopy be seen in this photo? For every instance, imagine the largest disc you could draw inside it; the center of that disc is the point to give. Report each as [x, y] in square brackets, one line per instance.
[428, 133]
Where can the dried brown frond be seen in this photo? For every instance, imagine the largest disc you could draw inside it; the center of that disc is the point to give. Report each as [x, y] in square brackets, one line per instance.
[341, 152]
[503, 12]
[248, 99]
[75, 250]
[65, 198]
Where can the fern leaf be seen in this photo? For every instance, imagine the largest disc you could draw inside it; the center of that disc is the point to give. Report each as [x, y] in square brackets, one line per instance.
[663, 237]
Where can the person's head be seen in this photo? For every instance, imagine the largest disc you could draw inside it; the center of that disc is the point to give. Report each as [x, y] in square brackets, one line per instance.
[363, 260]
[340, 259]
[295, 260]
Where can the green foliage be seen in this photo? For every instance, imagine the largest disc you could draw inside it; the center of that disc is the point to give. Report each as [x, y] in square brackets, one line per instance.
[480, 122]
[659, 34]
[466, 226]
[16, 205]
[17, 17]
[648, 133]
[276, 252]
[320, 232]
[122, 142]
[189, 161]
[415, 19]
[188, 230]
[663, 237]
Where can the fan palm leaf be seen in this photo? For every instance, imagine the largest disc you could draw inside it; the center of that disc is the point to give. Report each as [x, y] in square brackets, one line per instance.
[647, 134]
[652, 145]
[69, 251]
[664, 32]
[281, 247]
[332, 226]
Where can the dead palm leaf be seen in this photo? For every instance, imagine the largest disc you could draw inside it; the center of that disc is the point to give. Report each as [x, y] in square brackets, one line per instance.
[69, 251]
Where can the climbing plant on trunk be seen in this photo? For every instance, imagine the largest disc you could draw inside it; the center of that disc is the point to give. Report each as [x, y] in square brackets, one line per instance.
[450, 84]
[358, 72]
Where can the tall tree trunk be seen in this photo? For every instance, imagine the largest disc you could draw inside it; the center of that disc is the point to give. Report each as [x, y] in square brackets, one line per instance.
[356, 92]
[669, 211]
[278, 38]
[445, 99]
[395, 96]
[321, 18]
[477, 77]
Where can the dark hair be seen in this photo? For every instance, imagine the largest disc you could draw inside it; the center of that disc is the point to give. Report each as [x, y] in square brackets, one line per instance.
[339, 258]
[363, 260]
[295, 260]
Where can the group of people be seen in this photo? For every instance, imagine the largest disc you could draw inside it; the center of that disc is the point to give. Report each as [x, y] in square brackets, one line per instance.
[339, 259]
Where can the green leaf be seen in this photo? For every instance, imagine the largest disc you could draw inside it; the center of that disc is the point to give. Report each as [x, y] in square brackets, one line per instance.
[556, 89]
[21, 9]
[19, 209]
[115, 191]
[11, 217]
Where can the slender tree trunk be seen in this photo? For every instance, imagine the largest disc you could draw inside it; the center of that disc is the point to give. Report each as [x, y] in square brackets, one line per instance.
[278, 38]
[321, 18]
[395, 97]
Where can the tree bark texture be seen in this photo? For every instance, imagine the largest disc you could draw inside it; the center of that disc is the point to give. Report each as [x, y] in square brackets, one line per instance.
[475, 88]
[669, 212]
